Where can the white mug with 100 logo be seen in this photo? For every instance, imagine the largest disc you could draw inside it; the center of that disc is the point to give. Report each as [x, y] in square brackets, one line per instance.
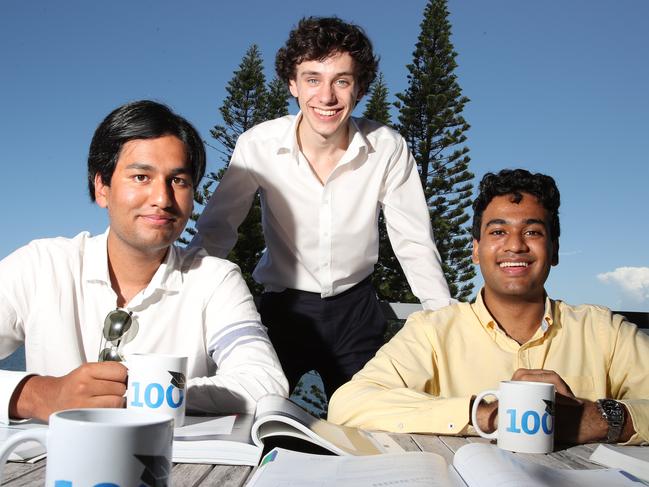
[157, 383]
[101, 447]
[525, 416]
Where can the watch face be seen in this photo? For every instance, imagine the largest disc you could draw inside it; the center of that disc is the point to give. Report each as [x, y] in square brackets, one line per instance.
[613, 412]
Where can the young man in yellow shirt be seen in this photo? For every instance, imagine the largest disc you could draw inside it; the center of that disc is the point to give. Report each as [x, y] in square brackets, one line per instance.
[424, 380]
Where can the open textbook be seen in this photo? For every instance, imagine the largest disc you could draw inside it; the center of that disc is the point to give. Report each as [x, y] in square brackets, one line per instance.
[474, 465]
[633, 459]
[239, 439]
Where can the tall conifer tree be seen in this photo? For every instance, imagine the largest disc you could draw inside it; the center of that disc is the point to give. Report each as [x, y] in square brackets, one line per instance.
[431, 121]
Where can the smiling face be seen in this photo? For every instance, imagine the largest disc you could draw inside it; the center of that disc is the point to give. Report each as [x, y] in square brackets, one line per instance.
[327, 93]
[150, 196]
[516, 250]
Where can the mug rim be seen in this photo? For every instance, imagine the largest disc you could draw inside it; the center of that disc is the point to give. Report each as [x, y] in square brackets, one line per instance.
[109, 417]
[527, 383]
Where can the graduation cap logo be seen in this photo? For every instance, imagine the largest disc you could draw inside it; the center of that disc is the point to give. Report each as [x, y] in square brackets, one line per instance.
[156, 470]
[549, 407]
[177, 379]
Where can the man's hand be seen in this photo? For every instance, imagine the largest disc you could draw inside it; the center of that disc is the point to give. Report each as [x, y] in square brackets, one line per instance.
[487, 415]
[576, 420]
[549, 376]
[93, 385]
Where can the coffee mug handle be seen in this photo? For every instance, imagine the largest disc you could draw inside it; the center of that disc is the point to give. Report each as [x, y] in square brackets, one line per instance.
[8, 446]
[474, 414]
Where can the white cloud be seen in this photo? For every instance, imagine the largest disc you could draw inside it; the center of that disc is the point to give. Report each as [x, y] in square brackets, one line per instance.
[633, 282]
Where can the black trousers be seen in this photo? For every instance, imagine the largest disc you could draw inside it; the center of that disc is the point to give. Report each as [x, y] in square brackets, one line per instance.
[335, 336]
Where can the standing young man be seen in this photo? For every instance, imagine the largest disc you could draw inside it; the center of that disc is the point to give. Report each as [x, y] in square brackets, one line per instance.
[63, 297]
[323, 177]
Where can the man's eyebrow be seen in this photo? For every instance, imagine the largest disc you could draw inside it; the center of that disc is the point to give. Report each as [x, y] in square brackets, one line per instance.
[496, 221]
[142, 166]
[502, 221]
[318, 73]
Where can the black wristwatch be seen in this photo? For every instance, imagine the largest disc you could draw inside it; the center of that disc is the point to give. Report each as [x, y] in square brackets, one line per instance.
[613, 413]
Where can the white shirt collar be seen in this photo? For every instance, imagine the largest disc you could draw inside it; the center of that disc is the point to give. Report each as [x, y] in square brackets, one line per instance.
[168, 278]
[357, 141]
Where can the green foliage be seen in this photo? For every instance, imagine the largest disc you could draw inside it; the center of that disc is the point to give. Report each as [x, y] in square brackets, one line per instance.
[377, 107]
[431, 121]
[248, 103]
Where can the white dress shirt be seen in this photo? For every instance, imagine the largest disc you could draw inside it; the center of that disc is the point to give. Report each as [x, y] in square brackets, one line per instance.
[324, 238]
[56, 293]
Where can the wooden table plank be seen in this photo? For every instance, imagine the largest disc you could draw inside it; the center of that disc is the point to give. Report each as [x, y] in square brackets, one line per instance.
[35, 476]
[434, 444]
[405, 441]
[226, 475]
[189, 474]
[13, 470]
[454, 442]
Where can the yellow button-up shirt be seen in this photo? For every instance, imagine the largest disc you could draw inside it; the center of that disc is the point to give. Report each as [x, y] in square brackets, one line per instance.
[423, 379]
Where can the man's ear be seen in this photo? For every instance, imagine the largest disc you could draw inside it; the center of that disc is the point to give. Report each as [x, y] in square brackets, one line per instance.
[555, 252]
[474, 252]
[292, 87]
[102, 191]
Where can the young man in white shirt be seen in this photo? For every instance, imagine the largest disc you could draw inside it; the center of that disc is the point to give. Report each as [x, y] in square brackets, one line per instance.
[59, 296]
[323, 176]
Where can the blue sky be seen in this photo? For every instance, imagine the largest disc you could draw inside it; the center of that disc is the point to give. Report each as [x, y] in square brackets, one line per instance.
[556, 87]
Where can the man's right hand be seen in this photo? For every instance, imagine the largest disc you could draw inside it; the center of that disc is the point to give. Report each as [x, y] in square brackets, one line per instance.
[92, 385]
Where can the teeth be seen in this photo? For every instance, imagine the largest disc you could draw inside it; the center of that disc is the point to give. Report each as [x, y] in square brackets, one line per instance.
[326, 113]
[513, 264]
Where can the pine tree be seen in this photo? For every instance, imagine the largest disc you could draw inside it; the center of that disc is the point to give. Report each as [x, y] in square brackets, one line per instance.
[431, 121]
[248, 103]
[388, 277]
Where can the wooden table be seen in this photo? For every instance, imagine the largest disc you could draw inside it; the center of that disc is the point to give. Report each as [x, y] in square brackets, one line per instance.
[186, 475]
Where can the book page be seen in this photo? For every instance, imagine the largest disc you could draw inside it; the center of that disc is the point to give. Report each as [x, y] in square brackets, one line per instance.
[486, 465]
[205, 426]
[277, 416]
[633, 459]
[284, 468]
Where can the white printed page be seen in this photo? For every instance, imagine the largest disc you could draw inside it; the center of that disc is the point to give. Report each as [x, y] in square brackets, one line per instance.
[284, 468]
[483, 465]
[205, 426]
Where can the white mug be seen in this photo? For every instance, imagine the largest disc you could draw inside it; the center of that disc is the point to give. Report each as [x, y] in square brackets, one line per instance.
[525, 416]
[157, 383]
[90, 447]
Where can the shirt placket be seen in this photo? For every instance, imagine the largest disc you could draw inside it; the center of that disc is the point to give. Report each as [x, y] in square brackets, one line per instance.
[324, 238]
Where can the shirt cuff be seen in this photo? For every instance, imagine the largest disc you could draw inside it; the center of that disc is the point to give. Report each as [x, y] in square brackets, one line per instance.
[639, 411]
[9, 380]
[434, 304]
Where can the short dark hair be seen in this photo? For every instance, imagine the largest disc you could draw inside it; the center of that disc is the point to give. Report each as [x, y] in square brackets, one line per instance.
[515, 182]
[316, 38]
[144, 119]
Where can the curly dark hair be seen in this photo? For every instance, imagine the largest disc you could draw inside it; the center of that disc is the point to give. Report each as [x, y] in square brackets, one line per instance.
[316, 38]
[515, 182]
[143, 119]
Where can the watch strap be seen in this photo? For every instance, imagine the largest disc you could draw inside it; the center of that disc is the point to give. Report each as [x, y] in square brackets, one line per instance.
[613, 413]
